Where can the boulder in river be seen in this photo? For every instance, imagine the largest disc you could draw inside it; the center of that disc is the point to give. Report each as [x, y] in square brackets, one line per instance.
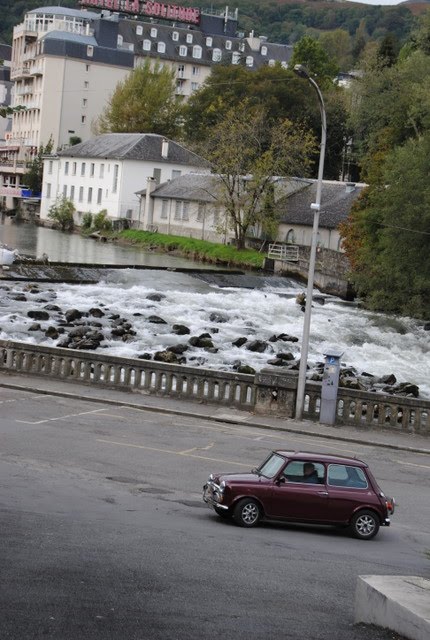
[72, 314]
[180, 330]
[258, 346]
[38, 314]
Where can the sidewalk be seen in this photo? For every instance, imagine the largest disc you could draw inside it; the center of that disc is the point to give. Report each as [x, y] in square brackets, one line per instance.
[385, 439]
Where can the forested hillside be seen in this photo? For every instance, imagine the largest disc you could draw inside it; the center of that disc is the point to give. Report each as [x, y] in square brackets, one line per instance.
[281, 20]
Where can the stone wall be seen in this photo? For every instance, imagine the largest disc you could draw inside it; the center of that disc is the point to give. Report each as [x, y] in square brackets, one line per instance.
[266, 393]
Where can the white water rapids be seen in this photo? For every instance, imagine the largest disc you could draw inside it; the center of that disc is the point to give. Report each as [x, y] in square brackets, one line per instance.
[374, 343]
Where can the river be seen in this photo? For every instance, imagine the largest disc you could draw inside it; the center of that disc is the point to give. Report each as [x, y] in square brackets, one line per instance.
[371, 342]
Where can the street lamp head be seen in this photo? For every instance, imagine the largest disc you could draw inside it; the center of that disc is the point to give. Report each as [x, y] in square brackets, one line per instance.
[301, 71]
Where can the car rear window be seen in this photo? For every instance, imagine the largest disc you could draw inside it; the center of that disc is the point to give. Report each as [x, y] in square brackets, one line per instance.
[342, 475]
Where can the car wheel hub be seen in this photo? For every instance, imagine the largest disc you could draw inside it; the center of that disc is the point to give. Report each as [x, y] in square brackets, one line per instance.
[249, 513]
[365, 525]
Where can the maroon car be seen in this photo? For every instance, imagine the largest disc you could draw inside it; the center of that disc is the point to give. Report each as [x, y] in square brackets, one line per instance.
[303, 487]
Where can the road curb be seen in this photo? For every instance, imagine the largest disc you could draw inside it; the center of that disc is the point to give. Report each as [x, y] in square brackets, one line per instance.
[213, 418]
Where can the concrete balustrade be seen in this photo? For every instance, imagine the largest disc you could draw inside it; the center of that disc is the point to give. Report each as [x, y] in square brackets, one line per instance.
[268, 392]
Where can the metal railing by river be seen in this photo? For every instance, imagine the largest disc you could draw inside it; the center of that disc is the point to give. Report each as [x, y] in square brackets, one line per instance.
[265, 393]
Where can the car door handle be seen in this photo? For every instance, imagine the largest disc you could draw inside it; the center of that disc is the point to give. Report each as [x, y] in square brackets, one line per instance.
[323, 493]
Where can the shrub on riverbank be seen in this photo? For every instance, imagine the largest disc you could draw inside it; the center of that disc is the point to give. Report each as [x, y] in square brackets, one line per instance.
[195, 249]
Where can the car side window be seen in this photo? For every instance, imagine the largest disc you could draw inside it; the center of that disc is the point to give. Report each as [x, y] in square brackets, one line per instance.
[307, 472]
[342, 475]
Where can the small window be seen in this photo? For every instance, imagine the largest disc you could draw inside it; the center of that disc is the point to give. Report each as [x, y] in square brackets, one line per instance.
[209, 42]
[291, 236]
[161, 47]
[146, 45]
[189, 38]
[153, 32]
[74, 169]
[196, 71]
[83, 168]
[139, 30]
[264, 50]
[228, 45]
[176, 173]
[194, 86]
[66, 168]
[201, 212]
[102, 171]
[120, 41]
[90, 50]
[86, 84]
[81, 194]
[50, 165]
[84, 102]
[241, 46]
[115, 178]
[164, 209]
[65, 191]
[183, 50]
[48, 189]
[284, 64]
[178, 209]
[92, 168]
[90, 195]
[83, 119]
[72, 192]
[249, 61]
[157, 175]
[197, 51]
[272, 62]
[216, 55]
[175, 36]
[99, 196]
[185, 211]
[87, 67]
[235, 57]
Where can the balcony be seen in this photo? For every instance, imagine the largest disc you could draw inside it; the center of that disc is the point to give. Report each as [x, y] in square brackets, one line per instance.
[19, 72]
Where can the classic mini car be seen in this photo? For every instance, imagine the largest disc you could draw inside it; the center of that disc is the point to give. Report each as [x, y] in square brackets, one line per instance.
[303, 487]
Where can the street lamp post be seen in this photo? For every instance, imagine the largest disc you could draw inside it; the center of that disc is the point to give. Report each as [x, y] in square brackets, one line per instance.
[301, 71]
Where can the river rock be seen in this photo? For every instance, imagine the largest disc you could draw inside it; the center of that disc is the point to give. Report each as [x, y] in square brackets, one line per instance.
[156, 320]
[144, 356]
[389, 379]
[239, 342]
[278, 362]
[37, 314]
[19, 297]
[178, 349]
[245, 368]
[52, 332]
[426, 327]
[406, 389]
[35, 327]
[155, 297]
[72, 314]
[258, 346]
[201, 342]
[52, 307]
[284, 337]
[79, 332]
[218, 317]
[96, 312]
[180, 330]
[166, 356]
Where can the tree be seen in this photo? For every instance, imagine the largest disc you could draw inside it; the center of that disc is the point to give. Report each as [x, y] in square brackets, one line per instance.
[312, 55]
[34, 174]
[387, 237]
[246, 156]
[61, 212]
[338, 46]
[144, 102]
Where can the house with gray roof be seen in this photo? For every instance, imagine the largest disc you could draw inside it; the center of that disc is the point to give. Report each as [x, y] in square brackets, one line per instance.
[296, 215]
[106, 171]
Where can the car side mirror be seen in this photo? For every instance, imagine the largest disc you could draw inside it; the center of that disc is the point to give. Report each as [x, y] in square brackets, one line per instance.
[280, 480]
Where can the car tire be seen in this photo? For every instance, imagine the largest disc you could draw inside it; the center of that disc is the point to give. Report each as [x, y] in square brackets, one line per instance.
[247, 513]
[223, 513]
[365, 524]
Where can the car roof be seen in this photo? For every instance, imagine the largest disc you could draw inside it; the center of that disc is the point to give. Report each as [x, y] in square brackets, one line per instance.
[320, 457]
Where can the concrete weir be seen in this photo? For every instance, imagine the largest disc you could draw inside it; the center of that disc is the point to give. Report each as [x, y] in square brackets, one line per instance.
[399, 603]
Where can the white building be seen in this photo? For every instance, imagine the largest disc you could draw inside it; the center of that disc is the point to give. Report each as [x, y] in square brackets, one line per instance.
[106, 171]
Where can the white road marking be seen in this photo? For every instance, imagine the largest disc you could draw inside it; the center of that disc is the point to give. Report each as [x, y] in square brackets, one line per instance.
[411, 464]
[71, 415]
[175, 453]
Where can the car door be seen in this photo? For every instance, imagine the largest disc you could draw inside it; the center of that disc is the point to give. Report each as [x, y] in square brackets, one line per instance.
[348, 488]
[294, 498]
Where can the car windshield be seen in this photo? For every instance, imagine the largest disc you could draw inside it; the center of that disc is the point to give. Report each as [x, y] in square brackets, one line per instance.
[271, 466]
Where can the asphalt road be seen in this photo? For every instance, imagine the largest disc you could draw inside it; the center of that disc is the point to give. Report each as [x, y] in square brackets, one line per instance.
[104, 536]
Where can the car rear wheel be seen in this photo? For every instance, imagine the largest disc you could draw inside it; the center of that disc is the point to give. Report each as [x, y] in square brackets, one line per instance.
[223, 513]
[247, 513]
[365, 525]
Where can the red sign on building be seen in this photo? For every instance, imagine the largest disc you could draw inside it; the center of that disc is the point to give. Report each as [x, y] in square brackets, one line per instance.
[152, 9]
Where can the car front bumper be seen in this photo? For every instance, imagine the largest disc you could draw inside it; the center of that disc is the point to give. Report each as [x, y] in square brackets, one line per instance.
[212, 495]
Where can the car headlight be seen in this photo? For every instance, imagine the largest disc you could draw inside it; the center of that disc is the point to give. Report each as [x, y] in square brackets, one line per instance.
[211, 477]
[222, 487]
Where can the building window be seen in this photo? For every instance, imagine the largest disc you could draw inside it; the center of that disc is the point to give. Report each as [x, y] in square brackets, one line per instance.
[175, 36]
[72, 192]
[92, 168]
[228, 45]
[181, 70]
[209, 42]
[65, 191]
[66, 168]
[284, 64]
[272, 62]
[183, 50]
[216, 55]
[83, 119]
[241, 46]
[201, 212]
[99, 196]
[74, 169]
[115, 178]
[197, 51]
[157, 175]
[189, 38]
[119, 41]
[194, 86]
[90, 195]
[196, 71]
[146, 45]
[249, 61]
[84, 102]
[83, 168]
[291, 236]
[50, 164]
[102, 171]
[153, 32]
[81, 194]
[176, 173]
[164, 209]
[178, 208]
[86, 84]
[264, 50]
[216, 215]
[185, 211]
[161, 47]
[139, 30]
[182, 210]
[87, 67]
[235, 58]
[90, 50]
[48, 189]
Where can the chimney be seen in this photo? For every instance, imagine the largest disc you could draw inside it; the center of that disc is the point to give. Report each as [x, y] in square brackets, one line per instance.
[350, 187]
[165, 149]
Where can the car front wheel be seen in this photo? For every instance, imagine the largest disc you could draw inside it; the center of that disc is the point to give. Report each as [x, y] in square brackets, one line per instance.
[247, 513]
[365, 525]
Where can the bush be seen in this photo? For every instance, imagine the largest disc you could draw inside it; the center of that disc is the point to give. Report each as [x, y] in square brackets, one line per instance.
[87, 220]
[62, 214]
[101, 221]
